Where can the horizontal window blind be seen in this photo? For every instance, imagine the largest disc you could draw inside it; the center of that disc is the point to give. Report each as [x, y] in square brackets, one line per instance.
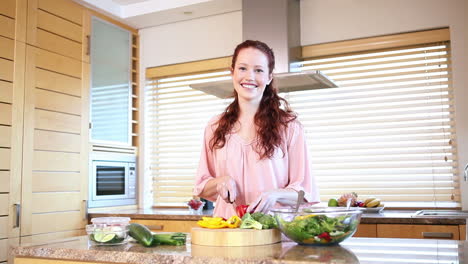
[388, 130]
[177, 115]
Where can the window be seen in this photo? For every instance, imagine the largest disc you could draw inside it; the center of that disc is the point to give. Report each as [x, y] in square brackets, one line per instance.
[176, 118]
[387, 131]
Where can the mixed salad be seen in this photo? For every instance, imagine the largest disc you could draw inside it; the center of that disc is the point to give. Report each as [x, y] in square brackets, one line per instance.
[319, 229]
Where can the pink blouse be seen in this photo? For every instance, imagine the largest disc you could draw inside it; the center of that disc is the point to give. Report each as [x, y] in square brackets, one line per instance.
[253, 176]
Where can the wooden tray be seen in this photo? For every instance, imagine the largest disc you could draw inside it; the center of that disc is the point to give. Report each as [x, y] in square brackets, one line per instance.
[234, 237]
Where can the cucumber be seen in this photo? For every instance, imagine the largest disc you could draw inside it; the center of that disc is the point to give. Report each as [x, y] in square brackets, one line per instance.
[141, 234]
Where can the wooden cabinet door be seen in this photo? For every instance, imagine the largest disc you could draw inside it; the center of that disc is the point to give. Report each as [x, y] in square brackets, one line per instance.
[12, 57]
[366, 230]
[462, 229]
[418, 231]
[58, 26]
[167, 225]
[55, 158]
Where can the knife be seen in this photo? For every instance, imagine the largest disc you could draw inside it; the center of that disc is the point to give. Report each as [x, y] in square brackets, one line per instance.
[233, 202]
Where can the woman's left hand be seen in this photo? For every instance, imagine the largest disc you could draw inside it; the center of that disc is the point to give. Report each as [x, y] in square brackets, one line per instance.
[268, 200]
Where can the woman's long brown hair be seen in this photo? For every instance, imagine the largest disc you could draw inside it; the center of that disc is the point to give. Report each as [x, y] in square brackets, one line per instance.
[270, 119]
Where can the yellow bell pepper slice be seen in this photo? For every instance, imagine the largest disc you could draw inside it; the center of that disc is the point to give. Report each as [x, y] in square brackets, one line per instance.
[234, 222]
[212, 222]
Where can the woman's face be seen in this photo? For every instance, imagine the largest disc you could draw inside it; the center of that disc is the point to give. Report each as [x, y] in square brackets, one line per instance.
[250, 74]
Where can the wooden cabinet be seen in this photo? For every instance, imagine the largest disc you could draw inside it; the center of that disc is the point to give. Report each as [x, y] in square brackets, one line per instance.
[12, 58]
[55, 149]
[462, 229]
[366, 230]
[44, 119]
[418, 231]
[167, 225]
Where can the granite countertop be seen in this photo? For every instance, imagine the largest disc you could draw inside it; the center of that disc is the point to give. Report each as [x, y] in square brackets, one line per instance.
[386, 217]
[353, 250]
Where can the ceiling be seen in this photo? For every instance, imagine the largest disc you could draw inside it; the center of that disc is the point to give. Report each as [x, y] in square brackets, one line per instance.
[149, 13]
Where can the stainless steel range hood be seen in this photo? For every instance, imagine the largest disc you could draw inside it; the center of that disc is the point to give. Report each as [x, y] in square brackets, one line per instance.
[277, 23]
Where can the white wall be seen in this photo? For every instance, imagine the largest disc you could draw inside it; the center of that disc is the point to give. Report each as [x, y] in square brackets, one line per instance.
[325, 21]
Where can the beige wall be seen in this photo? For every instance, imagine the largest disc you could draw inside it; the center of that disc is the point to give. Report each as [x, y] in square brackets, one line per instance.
[197, 39]
[325, 21]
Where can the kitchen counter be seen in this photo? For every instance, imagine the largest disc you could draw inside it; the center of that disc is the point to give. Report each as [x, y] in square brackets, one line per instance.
[386, 217]
[353, 250]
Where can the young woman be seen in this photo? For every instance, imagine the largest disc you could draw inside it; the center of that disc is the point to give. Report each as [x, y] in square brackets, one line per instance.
[255, 152]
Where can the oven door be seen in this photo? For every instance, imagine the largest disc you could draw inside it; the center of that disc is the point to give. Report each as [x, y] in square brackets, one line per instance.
[110, 180]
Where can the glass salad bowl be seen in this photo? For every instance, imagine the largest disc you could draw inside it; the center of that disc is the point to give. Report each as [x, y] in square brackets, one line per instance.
[318, 226]
[108, 231]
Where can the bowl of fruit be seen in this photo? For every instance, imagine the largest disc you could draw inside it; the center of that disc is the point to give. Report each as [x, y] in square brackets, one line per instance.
[195, 206]
[368, 205]
[108, 231]
[318, 226]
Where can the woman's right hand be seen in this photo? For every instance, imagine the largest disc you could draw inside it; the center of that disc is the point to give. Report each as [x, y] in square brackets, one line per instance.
[227, 188]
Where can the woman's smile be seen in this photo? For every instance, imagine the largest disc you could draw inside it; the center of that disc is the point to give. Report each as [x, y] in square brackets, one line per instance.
[249, 85]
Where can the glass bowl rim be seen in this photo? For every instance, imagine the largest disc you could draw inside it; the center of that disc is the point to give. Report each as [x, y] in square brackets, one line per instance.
[317, 211]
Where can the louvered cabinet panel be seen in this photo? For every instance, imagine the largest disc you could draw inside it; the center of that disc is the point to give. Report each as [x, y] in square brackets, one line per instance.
[8, 8]
[6, 92]
[13, 19]
[3, 227]
[3, 249]
[12, 61]
[5, 180]
[55, 158]
[8, 27]
[5, 159]
[56, 26]
[7, 48]
[6, 70]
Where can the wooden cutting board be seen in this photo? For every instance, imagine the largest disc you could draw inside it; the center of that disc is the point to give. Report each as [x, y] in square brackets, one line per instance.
[234, 237]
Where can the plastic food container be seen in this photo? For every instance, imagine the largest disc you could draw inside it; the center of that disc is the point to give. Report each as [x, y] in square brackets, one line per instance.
[322, 227]
[108, 231]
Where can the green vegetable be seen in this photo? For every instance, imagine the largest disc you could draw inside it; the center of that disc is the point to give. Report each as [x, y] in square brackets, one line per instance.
[103, 237]
[115, 240]
[173, 239]
[332, 202]
[257, 215]
[141, 234]
[318, 228]
[266, 220]
[248, 222]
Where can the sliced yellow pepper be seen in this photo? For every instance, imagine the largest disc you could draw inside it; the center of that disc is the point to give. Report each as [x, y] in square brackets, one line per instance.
[234, 222]
[302, 217]
[212, 222]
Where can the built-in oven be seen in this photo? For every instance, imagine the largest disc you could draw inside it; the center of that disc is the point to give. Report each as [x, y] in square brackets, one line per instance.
[112, 180]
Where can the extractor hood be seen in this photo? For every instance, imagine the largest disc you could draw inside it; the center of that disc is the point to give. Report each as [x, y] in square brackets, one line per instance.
[277, 23]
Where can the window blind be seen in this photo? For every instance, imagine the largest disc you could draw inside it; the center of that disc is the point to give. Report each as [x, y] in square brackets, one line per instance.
[177, 116]
[388, 130]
